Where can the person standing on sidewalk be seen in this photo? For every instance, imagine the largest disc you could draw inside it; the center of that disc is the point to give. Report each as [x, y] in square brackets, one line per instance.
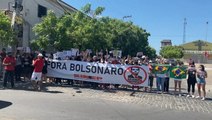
[201, 82]
[191, 81]
[36, 78]
[160, 79]
[9, 63]
[178, 81]
[18, 67]
[2, 56]
[166, 81]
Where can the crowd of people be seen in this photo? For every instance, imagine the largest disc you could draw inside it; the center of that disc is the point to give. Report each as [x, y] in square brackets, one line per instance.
[20, 67]
[33, 66]
[195, 75]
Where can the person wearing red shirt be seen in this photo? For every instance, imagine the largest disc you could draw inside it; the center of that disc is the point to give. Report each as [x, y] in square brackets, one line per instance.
[9, 63]
[37, 73]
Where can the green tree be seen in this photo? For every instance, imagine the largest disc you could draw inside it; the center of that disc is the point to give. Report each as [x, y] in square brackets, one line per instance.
[85, 30]
[51, 32]
[171, 52]
[6, 32]
[150, 52]
[125, 36]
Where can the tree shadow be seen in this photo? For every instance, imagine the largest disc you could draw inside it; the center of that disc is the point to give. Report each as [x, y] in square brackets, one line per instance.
[4, 104]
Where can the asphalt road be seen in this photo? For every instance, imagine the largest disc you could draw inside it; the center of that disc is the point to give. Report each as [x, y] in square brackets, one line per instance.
[69, 104]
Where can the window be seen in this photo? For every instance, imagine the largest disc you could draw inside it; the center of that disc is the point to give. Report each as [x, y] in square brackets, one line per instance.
[42, 11]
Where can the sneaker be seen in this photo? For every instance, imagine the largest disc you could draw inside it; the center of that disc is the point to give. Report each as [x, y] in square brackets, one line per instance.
[197, 97]
[188, 96]
[203, 98]
[193, 96]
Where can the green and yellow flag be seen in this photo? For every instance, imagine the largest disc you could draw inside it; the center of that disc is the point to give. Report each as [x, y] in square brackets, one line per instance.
[160, 68]
[178, 72]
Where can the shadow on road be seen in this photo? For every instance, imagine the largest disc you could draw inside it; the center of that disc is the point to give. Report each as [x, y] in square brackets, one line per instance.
[27, 86]
[208, 99]
[4, 104]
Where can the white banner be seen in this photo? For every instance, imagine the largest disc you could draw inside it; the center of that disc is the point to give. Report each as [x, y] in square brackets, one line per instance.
[98, 72]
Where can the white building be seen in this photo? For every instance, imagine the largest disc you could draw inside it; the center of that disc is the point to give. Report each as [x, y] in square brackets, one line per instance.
[32, 12]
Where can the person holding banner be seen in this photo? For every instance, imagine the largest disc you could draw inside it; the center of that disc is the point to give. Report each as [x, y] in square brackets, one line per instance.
[37, 73]
[44, 70]
[166, 81]
[178, 80]
[161, 74]
[201, 82]
[151, 76]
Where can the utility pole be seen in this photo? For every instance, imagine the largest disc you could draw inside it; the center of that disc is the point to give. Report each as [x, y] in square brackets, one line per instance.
[17, 11]
[184, 31]
[206, 32]
[16, 14]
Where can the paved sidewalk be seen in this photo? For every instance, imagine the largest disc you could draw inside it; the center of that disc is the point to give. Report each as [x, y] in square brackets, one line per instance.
[164, 101]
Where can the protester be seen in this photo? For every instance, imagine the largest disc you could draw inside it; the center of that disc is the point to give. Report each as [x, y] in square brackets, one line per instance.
[37, 73]
[27, 65]
[191, 81]
[201, 82]
[166, 81]
[9, 63]
[190, 62]
[44, 70]
[151, 76]
[178, 81]
[18, 67]
[2, 56]
[160, 79]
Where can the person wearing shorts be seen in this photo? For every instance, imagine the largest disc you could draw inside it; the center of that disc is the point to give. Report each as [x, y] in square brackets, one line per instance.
[178, 82]
[201, 82]
[36, 78]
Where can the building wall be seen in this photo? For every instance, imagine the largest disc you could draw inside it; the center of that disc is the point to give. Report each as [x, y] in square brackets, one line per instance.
[163, 44]
[199, 58]
[4, 4]
[30, 15]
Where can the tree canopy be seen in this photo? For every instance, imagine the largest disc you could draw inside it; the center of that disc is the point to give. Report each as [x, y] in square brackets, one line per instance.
[172, 52]
[86, 30]
[6, 32]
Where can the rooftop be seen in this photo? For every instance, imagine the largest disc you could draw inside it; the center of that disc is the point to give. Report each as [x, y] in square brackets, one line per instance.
[166, 40]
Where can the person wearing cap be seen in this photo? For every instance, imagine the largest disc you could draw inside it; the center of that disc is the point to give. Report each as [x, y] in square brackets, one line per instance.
[9, 63]
[37, 72]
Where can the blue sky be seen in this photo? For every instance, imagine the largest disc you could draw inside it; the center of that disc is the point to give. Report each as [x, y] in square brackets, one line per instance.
[163, 19]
